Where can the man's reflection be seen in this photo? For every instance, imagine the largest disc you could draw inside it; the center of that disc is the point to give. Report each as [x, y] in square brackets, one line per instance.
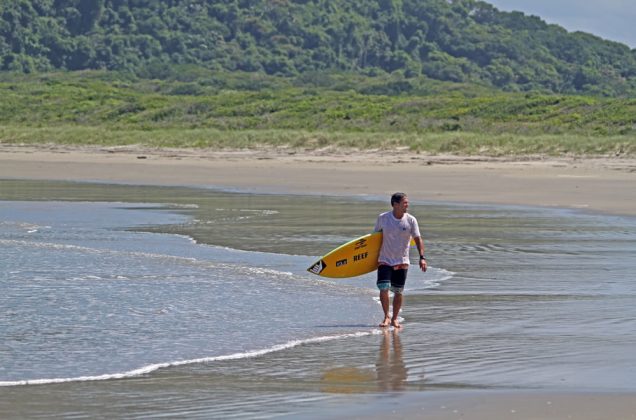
[390, 368]
[390, 371]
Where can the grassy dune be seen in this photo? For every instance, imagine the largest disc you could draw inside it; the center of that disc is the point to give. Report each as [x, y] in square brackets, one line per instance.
[247, 111]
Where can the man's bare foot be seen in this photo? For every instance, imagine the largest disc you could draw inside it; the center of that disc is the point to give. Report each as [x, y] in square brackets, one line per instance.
[396, 324]
[386, 322]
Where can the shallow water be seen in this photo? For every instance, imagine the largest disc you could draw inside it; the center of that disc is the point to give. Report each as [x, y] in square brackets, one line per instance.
[141, 301]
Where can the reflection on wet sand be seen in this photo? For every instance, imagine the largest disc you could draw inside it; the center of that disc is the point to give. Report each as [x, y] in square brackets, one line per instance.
[390, 368]
[390, 371]
[347, 380]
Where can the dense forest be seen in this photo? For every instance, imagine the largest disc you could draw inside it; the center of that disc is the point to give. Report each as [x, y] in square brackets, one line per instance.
[448, 40]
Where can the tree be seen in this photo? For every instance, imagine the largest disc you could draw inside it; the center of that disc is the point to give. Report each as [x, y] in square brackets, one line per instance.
[453, 40]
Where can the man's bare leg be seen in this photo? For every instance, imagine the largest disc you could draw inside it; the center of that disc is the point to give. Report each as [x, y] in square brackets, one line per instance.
[384, 300]
[397, 304]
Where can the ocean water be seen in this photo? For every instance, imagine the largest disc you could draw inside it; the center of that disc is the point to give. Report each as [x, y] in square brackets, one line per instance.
[133, 301]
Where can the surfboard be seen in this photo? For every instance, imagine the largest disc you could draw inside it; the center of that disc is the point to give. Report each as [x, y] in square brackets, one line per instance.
[355, 258]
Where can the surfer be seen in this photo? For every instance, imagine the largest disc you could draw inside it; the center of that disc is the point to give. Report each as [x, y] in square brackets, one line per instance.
[397, 227]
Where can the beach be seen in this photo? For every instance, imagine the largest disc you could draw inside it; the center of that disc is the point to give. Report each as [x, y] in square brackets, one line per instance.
[595, 186]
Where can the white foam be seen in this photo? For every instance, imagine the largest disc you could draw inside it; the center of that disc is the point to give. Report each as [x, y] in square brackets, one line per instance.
[437, 276]
[432, 279]
[149, 255]
[181, 206]
[268, 271]
[29, 227]
[144, 370]
[78, 248]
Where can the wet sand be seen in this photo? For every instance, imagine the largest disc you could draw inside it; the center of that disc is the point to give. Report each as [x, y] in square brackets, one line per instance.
[603, 185]
[521, 405]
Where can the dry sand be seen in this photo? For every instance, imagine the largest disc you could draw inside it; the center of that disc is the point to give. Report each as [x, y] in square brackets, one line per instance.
[603, 185]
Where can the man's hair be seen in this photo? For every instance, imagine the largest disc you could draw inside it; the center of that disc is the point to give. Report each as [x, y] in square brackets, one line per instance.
[397, 197]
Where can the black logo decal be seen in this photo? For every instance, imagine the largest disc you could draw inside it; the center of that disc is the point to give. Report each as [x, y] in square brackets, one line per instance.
[360, 257]
[341, 262]
[361, 244]
[317, 268]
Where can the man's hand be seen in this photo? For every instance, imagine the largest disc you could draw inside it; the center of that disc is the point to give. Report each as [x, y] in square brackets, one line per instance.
[423, 265]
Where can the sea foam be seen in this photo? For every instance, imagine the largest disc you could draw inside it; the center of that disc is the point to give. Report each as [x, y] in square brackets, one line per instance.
[144, 370]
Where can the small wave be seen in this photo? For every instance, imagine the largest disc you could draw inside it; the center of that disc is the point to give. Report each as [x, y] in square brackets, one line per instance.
[154, 367]
[88, 250]
[433, 278]
[190, 261]
[268, 271]
[441, 275]
[417, 284]
[181, 206]
[29, 227]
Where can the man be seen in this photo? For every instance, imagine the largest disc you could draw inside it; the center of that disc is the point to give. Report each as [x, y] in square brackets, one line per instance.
[397, 227]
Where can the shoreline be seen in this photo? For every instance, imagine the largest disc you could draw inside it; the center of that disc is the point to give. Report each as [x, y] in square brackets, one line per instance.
[603, 185]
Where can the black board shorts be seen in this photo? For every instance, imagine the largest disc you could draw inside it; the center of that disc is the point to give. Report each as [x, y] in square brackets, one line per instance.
[388, 278]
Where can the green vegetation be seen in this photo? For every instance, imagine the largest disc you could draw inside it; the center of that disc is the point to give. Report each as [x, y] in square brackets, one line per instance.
[221, 110]
[464, 41]
[433, 76]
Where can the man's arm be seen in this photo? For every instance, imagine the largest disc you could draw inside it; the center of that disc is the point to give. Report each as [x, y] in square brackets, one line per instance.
[419, 243]
[378, 225]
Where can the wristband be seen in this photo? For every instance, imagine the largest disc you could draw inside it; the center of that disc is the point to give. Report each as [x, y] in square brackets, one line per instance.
[422, 257]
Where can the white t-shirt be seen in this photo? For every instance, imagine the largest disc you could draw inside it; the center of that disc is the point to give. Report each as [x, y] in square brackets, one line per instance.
[396, 237]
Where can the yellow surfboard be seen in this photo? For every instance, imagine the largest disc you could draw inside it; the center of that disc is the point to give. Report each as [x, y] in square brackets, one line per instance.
[355, 258]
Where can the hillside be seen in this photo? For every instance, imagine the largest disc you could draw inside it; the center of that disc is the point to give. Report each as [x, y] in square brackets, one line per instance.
[447, 40]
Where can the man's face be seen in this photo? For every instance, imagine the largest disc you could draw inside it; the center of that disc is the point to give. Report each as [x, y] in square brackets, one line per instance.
[402, 206]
